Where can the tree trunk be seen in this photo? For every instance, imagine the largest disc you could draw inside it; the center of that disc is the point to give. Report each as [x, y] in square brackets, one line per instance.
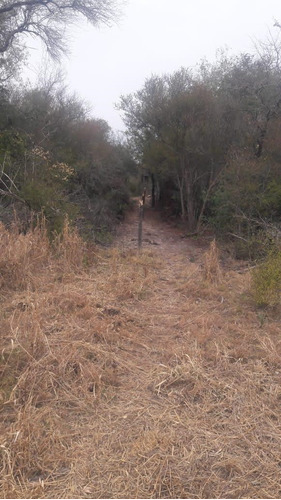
[180, 185]
[190, 208]
[191, 220]
[212, 183]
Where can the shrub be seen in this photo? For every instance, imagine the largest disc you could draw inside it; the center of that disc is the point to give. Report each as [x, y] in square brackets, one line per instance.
[256, 246]
[266, 281]
[49, 201]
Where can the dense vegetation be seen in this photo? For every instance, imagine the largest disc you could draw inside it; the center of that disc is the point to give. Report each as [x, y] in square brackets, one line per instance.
[209, 139]
[56, 159]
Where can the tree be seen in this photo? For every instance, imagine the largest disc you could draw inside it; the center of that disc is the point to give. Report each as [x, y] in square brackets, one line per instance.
[56, 160]
[247, 201]
[181, 133]
[48, 20]
[10, 63]
[253, 83]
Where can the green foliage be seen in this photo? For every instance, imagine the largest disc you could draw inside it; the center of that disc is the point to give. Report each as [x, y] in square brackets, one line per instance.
[37, 195]
[103, 236]
[247, 202]
[182, 135]
[118, 201]
[50, 202]
[214, 135]
[209, 138]
[50, 151]
[271, 201]
[13, 147]
[12, 144]
[134, 186]
[266, 281]
[255, 247]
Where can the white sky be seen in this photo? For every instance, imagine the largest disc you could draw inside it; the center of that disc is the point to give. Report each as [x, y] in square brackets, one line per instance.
[159, 36]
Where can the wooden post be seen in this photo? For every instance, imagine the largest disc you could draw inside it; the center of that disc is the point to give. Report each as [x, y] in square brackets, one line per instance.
[143, 200]
[140, 225]
[153, 198]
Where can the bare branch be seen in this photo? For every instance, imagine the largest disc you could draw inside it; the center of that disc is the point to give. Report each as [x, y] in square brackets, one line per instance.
[8, 189]
[49, 19]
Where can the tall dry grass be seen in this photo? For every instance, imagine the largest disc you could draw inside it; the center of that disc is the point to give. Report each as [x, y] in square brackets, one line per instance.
[212, 268]
[60, 326]
[21, 255]
[25, 256]
[128, 375]
[36, 369]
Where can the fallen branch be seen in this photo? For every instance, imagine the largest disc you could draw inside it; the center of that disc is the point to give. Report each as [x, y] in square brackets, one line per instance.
[239, 237]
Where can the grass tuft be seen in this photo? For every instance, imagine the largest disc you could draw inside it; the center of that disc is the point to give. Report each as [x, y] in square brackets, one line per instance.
[266, 284]
[212, 269]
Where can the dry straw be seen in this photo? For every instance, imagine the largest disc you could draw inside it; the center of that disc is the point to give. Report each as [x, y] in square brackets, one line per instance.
[212, 269]
[124, 376]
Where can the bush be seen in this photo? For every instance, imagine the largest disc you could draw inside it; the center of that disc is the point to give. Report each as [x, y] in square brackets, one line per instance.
[267, 281]
[255, 247]
[49, 201]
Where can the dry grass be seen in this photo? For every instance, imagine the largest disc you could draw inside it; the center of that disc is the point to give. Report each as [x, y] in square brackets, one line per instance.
[124, 376]
[212, 269]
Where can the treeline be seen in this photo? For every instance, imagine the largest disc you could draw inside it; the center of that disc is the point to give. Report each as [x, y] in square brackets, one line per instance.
[58, 161]
[210, 140]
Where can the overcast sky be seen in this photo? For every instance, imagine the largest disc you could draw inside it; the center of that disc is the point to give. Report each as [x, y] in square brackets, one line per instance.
[159, 36]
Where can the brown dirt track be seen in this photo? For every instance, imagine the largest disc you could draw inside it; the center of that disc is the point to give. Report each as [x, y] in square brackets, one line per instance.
[173, 387]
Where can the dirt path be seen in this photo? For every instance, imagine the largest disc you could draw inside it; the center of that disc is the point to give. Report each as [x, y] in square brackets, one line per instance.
[167, 238]
[140, 375]
[141, 430]
[195, 393]
[174, 253]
